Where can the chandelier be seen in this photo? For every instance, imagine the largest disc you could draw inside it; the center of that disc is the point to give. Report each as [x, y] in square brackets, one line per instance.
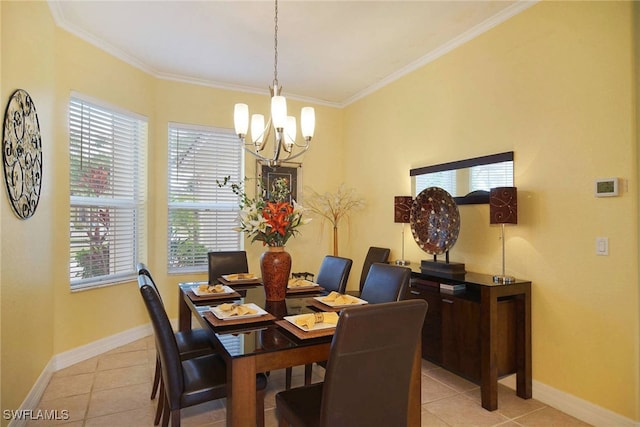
[284, 127]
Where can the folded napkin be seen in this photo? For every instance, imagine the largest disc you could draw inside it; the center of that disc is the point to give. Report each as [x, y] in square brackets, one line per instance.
[298, 282]
[236, 309]
[339, 299]
[310, 320]
[212, 289]
[240, 276]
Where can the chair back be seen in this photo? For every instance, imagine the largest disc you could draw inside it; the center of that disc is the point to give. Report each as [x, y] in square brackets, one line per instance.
[374, 254]
[226, 262]
[166, 344]
[334, 273]
[142, 269]
[385, 283]
[368, 374]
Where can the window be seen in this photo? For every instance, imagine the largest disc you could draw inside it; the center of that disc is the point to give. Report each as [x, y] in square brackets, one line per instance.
[443, 179]
[202, 215]
[486, 177]
[107, 193]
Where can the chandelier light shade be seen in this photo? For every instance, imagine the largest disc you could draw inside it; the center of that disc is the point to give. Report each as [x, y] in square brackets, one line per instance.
[503, 209]
[284, 127]
[402, 214]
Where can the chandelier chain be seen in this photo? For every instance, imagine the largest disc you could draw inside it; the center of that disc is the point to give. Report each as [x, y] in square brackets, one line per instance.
[275, 44]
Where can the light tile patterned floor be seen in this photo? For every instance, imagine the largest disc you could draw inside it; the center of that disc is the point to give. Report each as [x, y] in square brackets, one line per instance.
[113, 390]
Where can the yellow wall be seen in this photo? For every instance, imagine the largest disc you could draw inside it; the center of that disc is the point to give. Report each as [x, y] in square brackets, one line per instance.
[83, 317]
[176, 102]
[26, 315]
[554, 84]
[40, 317]
[1, 92]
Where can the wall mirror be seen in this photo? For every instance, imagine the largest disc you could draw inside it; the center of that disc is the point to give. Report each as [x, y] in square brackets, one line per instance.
[469, 180]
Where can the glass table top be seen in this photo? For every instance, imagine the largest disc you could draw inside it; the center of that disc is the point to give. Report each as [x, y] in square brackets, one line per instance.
[256, 337]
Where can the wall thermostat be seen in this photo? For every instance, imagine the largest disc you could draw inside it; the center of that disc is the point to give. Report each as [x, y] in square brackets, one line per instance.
[606, 187]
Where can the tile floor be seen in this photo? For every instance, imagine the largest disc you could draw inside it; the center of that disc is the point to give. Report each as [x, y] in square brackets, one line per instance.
[113, 390]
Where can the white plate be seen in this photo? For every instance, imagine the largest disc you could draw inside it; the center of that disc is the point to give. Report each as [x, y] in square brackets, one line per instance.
[357, 301]
[316, 327]
[303, 284]
[223, 315]
[198, 292]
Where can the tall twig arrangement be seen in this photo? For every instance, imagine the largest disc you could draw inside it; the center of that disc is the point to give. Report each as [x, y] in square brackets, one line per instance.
[333, 207]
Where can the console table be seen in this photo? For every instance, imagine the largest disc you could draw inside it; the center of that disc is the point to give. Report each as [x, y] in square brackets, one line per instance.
[481, 333]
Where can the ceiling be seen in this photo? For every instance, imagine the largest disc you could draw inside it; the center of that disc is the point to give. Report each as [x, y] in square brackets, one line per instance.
[330, 52]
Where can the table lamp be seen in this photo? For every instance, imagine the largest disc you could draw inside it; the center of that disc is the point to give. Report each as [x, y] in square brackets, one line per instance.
[503, 209]
[402, 214]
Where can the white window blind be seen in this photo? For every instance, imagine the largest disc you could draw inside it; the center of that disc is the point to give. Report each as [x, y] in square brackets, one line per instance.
[485, 177]
[444, 179]
[202, 215]
[107, 193]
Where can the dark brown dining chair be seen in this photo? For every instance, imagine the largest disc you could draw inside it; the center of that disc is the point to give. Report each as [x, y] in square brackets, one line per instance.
[188, 382]
[333, 276]
[385, 283]
[369, 370]
[226, 262]
[374, 254]
[334, 273]
[192, 343]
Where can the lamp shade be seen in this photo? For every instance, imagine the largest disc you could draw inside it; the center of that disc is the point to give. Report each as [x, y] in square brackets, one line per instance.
[503, 205]
[290, 131]
[257, 128]
[279, 111]
[307, 122]
[402, 209]
[241, 118]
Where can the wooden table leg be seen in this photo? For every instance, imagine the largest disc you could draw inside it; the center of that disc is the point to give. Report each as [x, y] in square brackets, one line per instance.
[415, 389]
[523, 345]
[241, 392]
[184, 313]
[489, 349]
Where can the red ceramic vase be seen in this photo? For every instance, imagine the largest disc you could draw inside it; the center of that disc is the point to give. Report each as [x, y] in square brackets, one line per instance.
[275, 266]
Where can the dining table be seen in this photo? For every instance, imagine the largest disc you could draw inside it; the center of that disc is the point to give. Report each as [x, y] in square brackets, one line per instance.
[267, 342]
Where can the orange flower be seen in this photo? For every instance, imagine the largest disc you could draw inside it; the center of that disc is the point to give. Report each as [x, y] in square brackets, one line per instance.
[277, 216]
[271, 222]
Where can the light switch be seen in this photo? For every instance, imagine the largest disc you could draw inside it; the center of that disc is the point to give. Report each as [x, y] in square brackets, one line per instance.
[602, 246]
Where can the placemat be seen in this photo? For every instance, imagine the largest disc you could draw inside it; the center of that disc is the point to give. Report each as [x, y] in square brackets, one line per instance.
[210, 297]
[304, 290]
[304, 335]
[323, 307]
[211, 318]
[256, 281]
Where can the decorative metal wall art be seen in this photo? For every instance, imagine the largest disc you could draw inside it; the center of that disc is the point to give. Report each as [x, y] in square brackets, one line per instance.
[22, 154]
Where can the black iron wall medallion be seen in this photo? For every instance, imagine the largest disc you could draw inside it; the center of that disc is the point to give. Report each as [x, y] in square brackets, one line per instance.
[22, 154]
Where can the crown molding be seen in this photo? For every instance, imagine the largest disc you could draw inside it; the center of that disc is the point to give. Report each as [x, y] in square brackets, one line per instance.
[454, 43]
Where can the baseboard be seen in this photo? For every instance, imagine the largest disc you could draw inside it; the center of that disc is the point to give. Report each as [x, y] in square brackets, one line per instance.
[79, 354]
[71, 357]
[34, 396]
[574, 406]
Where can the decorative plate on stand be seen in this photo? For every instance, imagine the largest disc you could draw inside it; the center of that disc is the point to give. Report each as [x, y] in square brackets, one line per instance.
[435, 220]
[22, 154]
